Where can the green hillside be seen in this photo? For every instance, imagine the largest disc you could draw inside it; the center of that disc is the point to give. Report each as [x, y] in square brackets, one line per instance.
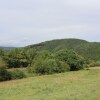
[87, 49]
[80, 85]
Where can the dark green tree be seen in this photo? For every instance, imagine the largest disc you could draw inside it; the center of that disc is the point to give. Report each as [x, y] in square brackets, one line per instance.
[75, 61]
[4, 74]
[16, 58]
[30, 55]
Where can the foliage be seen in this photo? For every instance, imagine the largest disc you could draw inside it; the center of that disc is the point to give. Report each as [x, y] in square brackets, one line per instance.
[45, 63]
[43, 54]
[17, 74]
[30, 55]
[1, 52]
[2, 63]
[19, 58]
[49, 57]
[94, 63]
[4, 74]
[91, 63]
[89, 50]
[49, 66]
[75, 61]
[97, 63]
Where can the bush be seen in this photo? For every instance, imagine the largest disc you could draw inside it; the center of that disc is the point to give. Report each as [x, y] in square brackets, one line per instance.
[2, 63]
[91, 63]
[16, 58]
[17, 74]
[4, 74]
[75, 61]
[49, 66]
[97, 63]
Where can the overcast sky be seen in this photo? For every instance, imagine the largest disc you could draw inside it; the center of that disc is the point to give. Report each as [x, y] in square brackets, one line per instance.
[24, 22]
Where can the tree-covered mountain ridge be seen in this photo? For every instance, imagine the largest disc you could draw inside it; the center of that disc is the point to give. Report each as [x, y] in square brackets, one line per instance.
[89, 50]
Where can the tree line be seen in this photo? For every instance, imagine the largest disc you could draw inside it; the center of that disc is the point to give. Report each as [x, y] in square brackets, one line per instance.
[39, 62]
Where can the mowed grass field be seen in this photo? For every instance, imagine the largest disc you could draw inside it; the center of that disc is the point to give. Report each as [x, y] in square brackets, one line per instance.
[79, 85]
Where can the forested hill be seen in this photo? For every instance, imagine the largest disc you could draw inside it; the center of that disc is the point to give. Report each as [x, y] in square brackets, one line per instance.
[87, 49]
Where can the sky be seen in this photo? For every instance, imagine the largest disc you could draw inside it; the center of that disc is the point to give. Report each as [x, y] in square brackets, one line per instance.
[25, 22]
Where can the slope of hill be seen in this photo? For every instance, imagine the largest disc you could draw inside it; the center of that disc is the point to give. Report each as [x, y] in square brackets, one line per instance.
[90, 50]
[80, 85]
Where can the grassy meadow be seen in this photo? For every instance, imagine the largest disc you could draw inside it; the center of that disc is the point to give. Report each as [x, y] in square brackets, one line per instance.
[79, 85]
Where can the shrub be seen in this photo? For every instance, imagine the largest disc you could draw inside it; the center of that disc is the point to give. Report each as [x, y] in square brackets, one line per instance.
[97, 63]
[17, 74]
[49, 66]
[75, 61]
[91, 64]
[2, 63]
[4, 74]
[16, 58]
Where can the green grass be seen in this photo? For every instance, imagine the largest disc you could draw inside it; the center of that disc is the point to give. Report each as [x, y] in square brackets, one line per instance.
[80, 85]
